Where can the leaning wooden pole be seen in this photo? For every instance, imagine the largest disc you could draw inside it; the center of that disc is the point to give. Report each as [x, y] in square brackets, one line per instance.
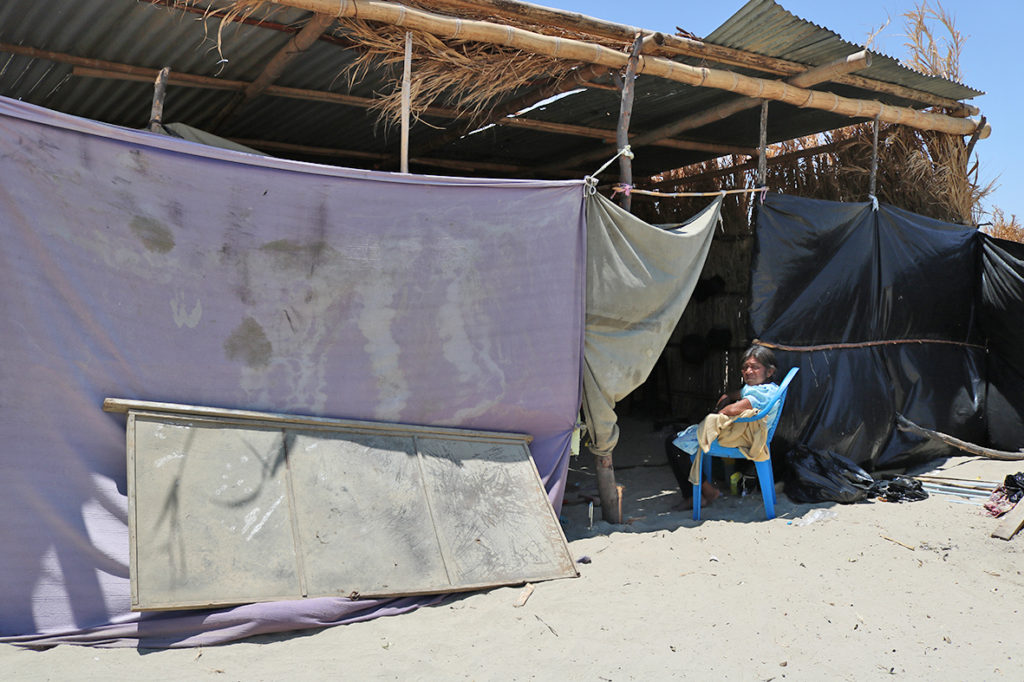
[905, 424]
[625, 114]
[156, 112]
[576, 50]
[296, 45]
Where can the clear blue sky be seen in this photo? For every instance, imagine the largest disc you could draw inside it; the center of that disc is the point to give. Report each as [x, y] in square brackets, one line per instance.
[990, 60]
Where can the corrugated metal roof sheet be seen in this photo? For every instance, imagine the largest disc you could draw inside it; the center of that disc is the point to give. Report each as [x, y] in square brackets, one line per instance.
[764, 27]
[144, 34]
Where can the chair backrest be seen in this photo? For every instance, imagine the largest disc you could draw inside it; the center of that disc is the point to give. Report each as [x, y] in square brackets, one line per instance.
[779, 399]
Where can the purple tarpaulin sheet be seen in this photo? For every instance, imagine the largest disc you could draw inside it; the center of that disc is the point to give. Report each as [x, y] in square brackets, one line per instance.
[139, 266]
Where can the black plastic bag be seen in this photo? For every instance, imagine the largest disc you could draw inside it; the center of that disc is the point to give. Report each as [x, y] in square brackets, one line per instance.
[824, 476]
[899, 489]
[1014, 485]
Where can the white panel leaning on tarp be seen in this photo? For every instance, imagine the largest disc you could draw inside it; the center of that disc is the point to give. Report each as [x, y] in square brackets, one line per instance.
[231, 506]
[639, 280]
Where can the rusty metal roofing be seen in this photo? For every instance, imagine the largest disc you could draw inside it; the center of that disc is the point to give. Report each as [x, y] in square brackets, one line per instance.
[153, 34]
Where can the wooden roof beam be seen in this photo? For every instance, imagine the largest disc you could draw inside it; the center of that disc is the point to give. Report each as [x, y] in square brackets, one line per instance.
[679, 45]
[749, 165]
[576, 50]
[115, 71]
[818, 74]
[609, 136]
[296, 45]
[453, 164]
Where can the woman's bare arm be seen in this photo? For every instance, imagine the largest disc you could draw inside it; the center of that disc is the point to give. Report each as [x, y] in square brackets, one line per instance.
[736, 408]
[730, 397]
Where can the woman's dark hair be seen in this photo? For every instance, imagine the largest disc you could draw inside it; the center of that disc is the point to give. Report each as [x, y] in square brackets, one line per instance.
[763, 355]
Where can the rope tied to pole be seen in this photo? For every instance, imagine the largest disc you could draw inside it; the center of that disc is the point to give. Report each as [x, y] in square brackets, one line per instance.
[625, 151]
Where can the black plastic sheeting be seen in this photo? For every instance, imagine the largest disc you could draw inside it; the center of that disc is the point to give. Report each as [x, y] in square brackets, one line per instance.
[1002, 318]
[939, 307]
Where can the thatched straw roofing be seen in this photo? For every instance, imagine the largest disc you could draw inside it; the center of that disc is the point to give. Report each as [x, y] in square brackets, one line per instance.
[322, 87]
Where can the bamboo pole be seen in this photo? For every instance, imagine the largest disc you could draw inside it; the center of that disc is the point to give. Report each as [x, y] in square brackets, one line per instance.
[625, 114]
[812, 76]
[576, 50]
[156, 112]
[406, 101]
[680, 45]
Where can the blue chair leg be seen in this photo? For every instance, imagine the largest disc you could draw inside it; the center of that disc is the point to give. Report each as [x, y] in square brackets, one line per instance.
[767, 483]
[696, 488]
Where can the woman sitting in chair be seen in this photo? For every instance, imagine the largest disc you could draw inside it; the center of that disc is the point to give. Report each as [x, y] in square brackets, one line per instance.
[757, 369]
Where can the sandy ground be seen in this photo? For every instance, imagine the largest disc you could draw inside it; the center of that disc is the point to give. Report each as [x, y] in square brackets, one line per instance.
[876, 590]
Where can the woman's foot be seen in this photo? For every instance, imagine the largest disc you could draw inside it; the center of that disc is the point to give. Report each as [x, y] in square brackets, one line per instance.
[708, 493]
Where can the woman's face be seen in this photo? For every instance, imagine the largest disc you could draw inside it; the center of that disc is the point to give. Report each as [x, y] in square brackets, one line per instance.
[754, 372]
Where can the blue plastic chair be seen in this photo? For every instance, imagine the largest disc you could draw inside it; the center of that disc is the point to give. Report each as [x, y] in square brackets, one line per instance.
[765, 479]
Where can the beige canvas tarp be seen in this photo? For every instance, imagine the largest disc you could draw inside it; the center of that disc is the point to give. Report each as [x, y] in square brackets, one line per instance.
[639, 280]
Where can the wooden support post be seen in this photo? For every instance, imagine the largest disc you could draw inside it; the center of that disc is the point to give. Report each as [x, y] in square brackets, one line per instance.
[406, 101]
[156, 113]
[625, 113]
[762, 147]
[874, 159]
[607, 490]
[905, 424]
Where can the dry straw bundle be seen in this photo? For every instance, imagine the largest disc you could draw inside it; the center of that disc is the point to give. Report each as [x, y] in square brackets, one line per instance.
[465, 76]
[468, 77]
